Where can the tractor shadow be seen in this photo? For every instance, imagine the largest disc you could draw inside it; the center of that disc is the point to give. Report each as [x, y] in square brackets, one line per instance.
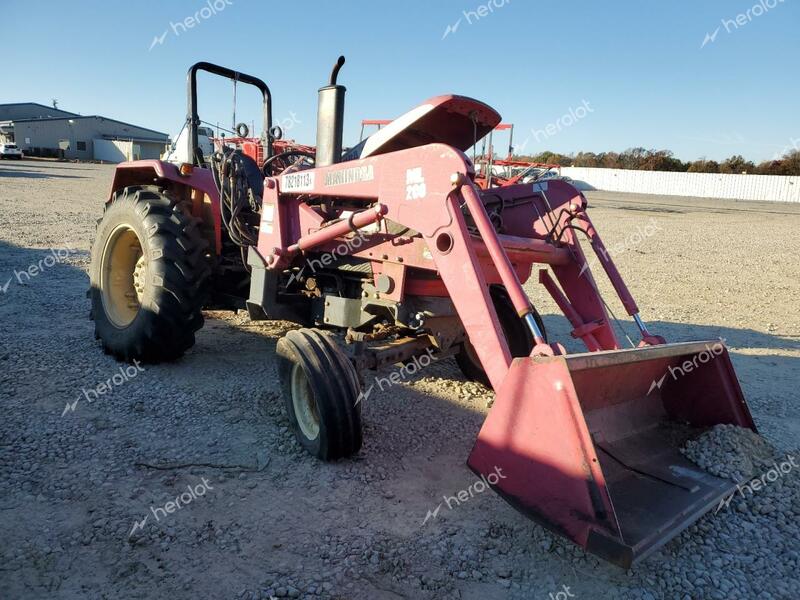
[763, 352]
[22, 174]
[558, 327]
[51, 164]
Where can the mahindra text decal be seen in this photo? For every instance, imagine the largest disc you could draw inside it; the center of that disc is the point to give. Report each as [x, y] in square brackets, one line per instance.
[350, 175]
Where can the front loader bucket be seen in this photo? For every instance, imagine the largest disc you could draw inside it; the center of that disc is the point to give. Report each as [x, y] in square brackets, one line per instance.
[588, 444]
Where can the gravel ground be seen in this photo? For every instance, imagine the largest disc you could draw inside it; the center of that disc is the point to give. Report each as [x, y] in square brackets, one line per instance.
[260, 518]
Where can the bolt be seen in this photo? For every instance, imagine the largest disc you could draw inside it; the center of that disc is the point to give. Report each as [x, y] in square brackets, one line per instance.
[457, 179]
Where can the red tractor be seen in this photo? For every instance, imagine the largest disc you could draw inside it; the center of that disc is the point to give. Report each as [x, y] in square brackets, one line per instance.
[389, 251]
[491, 171]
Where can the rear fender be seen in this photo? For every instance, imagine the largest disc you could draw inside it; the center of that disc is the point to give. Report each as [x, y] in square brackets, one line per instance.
[197, 187]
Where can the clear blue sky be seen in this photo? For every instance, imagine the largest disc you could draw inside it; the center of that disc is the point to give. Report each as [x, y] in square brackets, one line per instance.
[638, 64]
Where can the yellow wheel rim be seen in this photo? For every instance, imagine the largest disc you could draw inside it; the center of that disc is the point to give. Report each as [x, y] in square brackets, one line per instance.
[123, 276]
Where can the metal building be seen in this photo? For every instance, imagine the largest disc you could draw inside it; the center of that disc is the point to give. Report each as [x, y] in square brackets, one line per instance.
[25, 110]
[31, 110]
[44, 131]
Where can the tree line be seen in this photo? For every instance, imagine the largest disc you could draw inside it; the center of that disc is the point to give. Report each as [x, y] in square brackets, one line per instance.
[663, 160]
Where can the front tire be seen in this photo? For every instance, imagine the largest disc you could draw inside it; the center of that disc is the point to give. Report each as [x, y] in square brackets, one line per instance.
[321, 393]
[148, 275]
[518, 336]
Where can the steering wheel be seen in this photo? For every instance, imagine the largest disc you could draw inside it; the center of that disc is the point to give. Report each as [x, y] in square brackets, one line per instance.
[275, 165]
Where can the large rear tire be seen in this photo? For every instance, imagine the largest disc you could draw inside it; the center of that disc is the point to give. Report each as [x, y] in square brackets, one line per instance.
[321, 391]
[149, 270]
[518, 336]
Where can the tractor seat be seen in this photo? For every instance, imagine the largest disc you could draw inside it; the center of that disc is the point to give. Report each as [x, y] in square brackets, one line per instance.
[255, 179]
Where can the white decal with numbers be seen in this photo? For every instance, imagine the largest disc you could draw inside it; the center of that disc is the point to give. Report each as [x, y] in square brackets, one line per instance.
[415, 184]
[298, 182]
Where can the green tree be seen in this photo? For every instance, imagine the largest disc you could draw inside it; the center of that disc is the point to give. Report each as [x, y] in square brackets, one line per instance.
[788, 165]
[661, 160]
[586, 159]
[664, 160]
[703, 166]
[737, 164]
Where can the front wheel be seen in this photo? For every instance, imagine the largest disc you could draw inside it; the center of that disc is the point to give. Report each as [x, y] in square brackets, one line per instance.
[148, 276]
[321, 393]
[518, 336]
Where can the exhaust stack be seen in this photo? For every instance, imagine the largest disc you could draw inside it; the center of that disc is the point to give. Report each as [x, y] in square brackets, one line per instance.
[330, 120]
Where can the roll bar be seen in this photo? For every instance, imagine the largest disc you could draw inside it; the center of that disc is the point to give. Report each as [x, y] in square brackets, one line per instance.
[193, 119]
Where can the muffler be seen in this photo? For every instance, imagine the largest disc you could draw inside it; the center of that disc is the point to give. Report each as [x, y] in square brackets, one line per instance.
[330, 120]
[589, 444]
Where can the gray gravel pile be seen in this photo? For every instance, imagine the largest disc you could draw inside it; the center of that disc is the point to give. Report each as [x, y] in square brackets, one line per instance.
[729, 451]
[747, 548]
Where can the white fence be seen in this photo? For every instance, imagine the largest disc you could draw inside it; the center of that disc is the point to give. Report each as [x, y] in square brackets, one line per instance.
[771, 188]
